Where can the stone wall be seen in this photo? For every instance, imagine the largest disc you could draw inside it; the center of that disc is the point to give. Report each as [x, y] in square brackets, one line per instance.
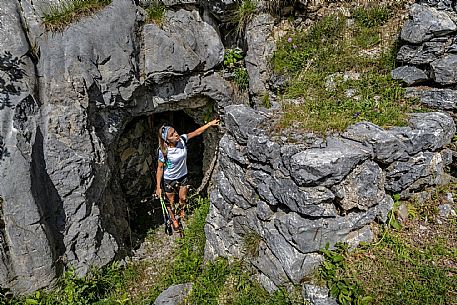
[428, 54]
[297, 197]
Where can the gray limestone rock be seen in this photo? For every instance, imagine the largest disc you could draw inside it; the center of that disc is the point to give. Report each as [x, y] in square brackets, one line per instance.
[174, 295]
[185, 44]
[235, 174]
[356, 237]
[424, 168]
[439, 4]
[242, 121]
[261, 149]
[425, 23]
[328, 165]
[409, 74]
[446, 211]
[432, 130]
[219, 8]
[444, 71]
[261, 46]
[362, 188]
[221, 238]
[233, 150]
[227, 191]
[264, 211]
[295, 264]
[444, 99]
[310, 235]
[386, 146]
[317, 295]
[422, 54]
[268, 264]
[32, 223]
[178, 2]
[311, 201]
[261, 181]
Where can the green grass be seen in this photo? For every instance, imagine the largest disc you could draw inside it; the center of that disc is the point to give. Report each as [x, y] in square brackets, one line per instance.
[412, 264]
[99, 286]
[57, 16]
[243, 14]
[332, 48]
[155, 12]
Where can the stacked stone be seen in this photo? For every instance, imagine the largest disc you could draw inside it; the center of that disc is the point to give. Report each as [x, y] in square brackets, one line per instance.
[429, 53]
[296, 198]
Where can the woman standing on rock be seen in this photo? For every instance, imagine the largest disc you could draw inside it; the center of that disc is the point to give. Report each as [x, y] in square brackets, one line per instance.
[172, 166]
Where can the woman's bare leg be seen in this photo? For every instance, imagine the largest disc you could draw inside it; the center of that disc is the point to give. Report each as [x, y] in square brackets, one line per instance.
[182, 200]
[171, 202]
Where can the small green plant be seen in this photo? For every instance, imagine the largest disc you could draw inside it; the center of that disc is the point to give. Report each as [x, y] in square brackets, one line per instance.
[251, 242]
[233, 58]
[155, 12]
[334, 271]
[56, 16]
[241, 78]
[266, 100]
[392, 220]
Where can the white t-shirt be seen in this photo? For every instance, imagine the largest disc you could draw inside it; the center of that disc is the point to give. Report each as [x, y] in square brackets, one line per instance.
[176, 166]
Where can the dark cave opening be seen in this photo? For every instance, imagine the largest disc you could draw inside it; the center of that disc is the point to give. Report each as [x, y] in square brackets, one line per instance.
[137, 159]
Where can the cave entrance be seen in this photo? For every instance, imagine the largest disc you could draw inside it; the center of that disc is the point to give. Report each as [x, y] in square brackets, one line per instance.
[137, 164]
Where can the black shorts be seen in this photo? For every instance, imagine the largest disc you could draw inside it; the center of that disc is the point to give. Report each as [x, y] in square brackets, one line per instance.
[171, 186]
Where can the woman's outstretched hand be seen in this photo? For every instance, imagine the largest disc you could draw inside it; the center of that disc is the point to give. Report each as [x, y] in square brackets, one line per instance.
[214, 122]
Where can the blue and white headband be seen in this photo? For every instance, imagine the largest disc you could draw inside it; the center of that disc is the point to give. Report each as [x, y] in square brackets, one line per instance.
[164, 133]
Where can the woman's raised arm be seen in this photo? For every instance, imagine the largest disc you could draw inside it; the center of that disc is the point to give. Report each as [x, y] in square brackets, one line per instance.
[200, 130]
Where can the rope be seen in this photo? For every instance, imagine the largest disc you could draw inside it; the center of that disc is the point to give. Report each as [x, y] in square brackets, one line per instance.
[207, 175]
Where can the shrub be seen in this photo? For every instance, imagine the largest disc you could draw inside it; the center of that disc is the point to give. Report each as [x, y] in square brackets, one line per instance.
[57, 16]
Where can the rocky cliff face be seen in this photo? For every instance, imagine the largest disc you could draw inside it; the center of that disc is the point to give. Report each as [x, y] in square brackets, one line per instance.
[69, 100]
[295, 198]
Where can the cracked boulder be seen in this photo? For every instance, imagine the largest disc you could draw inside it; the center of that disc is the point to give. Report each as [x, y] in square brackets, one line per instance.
[184, 45]
[425, 23]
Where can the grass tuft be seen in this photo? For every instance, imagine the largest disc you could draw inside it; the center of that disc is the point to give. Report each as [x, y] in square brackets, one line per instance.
[243, 14]
[56, 16]
[339, 73]
[155, 12]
